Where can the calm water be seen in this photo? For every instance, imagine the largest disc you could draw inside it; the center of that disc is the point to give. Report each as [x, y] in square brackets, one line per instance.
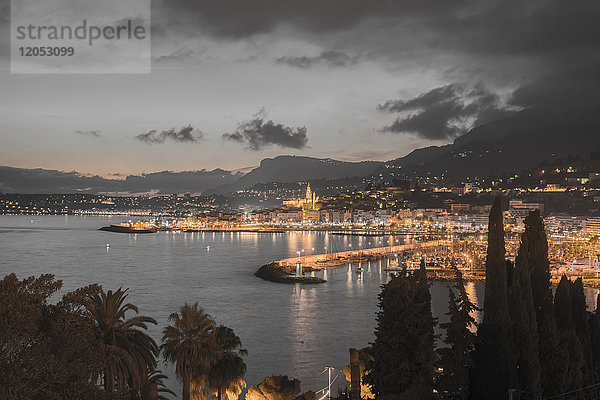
[287, 330]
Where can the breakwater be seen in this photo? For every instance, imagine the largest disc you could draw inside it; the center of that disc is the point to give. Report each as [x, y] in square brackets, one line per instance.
[334, 260]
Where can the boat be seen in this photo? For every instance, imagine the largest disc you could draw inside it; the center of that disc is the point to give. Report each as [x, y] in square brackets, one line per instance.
[130, 227]
[395, 266]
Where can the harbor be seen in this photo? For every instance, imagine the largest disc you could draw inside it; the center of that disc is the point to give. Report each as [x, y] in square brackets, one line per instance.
[398, 258]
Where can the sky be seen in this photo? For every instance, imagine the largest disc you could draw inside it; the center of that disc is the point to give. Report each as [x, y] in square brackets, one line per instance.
[233, 82]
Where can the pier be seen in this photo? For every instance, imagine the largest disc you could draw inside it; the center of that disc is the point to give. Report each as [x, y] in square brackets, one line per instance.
[334, 260]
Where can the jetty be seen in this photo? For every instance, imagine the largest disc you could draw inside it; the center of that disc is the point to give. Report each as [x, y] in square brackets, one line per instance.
[292, 270]
[339, 259]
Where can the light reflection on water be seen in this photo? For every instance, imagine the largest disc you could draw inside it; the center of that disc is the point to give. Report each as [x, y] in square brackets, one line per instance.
[287, 329]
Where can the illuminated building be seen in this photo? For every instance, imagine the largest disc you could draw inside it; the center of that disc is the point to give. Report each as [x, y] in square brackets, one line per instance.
[308, 203]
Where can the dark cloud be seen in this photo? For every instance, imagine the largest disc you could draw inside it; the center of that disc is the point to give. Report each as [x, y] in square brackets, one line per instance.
[234, 18]
[444, 112]
[258, 134]
[491, 26]
[487, 106]
[508, 43]
[533, 28]
[186, 134]
[328, 58]
[93, 133]
[572, 88]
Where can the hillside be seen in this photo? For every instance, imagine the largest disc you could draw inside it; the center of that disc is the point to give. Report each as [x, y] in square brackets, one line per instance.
[518, 142]
[38, 180]
[295, 168]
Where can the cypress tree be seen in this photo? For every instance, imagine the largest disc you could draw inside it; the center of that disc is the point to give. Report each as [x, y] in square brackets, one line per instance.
[533, 253]
[426, 324]
[536, 242]
[553, 358]
[568, 340]
[402, 355]
[562, 304]
[595, 338]
[581, 325]
[455, 360]
[495, 303]
[494, 371]
[524, 316]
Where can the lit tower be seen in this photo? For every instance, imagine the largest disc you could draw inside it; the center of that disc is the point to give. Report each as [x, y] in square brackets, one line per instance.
[309, 195]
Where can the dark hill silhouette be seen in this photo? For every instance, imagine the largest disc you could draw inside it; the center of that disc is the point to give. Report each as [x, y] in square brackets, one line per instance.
[296, 168]
[520, 141]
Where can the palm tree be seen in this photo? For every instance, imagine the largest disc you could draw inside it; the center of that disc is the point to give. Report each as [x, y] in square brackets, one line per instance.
[189, 344]
[130, 352]
[154, 388]
[227, 371]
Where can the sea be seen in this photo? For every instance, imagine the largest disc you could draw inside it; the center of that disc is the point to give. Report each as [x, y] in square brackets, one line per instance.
[288, 329]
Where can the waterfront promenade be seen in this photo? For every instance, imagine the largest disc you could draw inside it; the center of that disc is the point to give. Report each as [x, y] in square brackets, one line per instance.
[338, 259]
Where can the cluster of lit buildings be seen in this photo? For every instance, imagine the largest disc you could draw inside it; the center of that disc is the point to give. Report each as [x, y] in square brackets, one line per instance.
[574, 240]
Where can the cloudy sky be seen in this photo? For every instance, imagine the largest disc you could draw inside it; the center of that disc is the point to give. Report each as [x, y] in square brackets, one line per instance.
[235, 81]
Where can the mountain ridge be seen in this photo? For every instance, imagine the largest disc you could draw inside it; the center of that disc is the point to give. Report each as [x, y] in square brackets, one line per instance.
[511, 144]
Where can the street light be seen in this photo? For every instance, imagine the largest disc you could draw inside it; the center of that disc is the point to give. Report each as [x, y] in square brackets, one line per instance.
[329, 369]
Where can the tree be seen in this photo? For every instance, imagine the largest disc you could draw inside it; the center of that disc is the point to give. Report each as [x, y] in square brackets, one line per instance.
[22, 305]
[47, 351]
[455, 360]
[523, 313]
[568, 339]
[154, 388]
[553, 358]
[535, 242]
[278, 387]
[228, 369]
[189, 344]
[533, 254]
[310, 395]
[595, 337]
[130, 352]
[495, 302]
[581, 323]
[493, 373]
[402, 354]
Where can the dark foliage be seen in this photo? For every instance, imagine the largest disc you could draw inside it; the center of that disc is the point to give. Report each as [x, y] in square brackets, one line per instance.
[455, 360]
[402, 355]
[523, 314]
[533, 255]
[494, 373]
[228, 366]
[278, 387]
[568, 339]
[48, 351]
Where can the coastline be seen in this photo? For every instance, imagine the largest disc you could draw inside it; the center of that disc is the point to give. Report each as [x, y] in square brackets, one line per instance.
[320, 262]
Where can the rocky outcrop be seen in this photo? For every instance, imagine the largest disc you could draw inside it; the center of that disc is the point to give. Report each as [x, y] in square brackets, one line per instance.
[274, 273]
